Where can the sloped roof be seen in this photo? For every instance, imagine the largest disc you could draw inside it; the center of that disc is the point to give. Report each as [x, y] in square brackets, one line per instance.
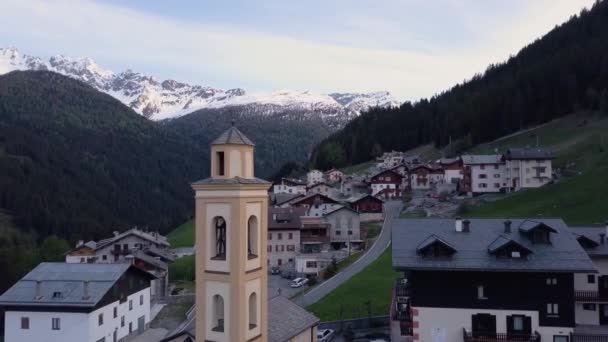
[531, 225]
[152, 237]
[340, 208]
[479, 159]
[232, 136]
[68, 280]
[281, 198]
[564, 254]
[287, 319]
[593, 233]
[433, 239]
[529, 153]
[329, 199]
[502, 242]
[286, 218]
[364, 196]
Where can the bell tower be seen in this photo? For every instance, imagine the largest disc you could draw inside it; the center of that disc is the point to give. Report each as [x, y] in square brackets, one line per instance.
[231, 229]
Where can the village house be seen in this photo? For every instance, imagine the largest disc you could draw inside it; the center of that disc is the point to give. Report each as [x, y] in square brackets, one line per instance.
[351, 186]
[333, 175]
[527, 168]
[314, 177]
[283, 200]
[319, 188]
[345, 231]
[370, 208]
[483, 174]
[314, 235]
[78, 302]
[283, 235]
[437, 174]
[485, 280]
[289, 186]
[453, 170]
[387, 184]
[591, 289]
[146, 250]
[420, 177]
[312, 201]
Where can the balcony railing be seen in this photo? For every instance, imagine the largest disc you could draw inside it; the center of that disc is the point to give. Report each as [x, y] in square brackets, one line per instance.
[590, 296]
[588, 338]
[469, 336]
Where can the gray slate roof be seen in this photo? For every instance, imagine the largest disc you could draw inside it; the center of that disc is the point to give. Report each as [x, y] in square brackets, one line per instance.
[278, 199]
[593, 233]
[564, 254]
[479, 159]
[529, 153]
[286, 218]
[287, 319]
[68, 279]
[153, 237]
[232, 137]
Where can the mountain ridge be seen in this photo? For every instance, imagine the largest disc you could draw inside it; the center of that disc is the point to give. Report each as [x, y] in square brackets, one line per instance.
[167, 99]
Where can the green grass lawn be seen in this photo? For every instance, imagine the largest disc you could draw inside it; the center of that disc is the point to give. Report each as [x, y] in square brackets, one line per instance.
[374, 285]
[418, 213]
[182, 269]
[182, 236]
[581, 146]
[358, 169]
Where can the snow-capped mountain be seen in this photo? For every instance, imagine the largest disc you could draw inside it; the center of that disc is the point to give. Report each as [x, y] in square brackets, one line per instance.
[166, 99]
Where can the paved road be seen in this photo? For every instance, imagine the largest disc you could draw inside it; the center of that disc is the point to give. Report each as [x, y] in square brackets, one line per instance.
[392, 210]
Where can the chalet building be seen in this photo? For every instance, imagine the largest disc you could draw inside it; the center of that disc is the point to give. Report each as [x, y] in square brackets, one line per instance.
[591, 290]
[345, 228]
[437, 174]
[387, 184]
[314, 235]
[453, 170]
[289, 186]
[483, 174]
[351, 186]
[319, 188]
[527, 168]
[284, 227]
[314, 177]
[78, 302]
[485, 280]
[333, 175]
[312, 200]
[420, 177]
[146, 250]
[370, 208]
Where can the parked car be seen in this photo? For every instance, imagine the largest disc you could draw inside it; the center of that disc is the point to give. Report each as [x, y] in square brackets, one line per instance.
[325, 335]
[275, 270]
[298, 282]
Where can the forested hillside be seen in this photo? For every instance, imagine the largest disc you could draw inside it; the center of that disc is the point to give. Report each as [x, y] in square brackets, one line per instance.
[79, 164]
[563, 72]
[280, 135]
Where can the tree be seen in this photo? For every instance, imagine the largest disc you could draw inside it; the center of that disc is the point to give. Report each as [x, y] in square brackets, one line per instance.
[376, 151]
[53, 249]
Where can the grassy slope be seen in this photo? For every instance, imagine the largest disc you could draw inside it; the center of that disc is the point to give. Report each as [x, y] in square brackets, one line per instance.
[373, 284]
[182, 236]
[581, 146]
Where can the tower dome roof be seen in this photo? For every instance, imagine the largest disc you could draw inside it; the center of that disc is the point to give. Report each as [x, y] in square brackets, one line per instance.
[232, 136]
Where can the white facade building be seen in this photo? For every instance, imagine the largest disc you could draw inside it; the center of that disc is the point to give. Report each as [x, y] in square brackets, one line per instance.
[78, 303]
[314, 177]
[486, 173]
[528, 168]
[290, 186]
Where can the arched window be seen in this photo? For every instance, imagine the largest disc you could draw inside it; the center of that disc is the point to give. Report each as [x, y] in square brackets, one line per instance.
[252, 238]
[217, 323]
[253, 311]
[220, 238]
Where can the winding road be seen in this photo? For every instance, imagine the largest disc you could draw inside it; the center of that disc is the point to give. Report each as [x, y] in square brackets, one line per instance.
[391, 210]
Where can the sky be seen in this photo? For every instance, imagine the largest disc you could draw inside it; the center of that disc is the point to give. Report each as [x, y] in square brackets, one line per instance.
[412, 48]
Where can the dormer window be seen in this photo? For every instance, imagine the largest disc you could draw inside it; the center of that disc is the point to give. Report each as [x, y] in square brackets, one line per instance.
[56, 294]
[506, 248]
[537, 232]
[515, 254]
[541, 237]
[435, 247]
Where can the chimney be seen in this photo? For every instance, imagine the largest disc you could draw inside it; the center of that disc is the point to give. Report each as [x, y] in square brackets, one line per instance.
[79, 243]
[38, 289]
[507, 226]
[85, 287]
[466, 226]
[115, 233]
[458, 223]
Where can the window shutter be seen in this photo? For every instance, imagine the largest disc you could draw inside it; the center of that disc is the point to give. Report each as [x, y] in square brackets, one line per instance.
[528, 325]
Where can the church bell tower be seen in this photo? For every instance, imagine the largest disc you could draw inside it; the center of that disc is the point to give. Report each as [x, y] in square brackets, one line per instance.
[231, 230]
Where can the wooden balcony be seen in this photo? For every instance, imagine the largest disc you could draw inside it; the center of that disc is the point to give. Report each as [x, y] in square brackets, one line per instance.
[590, 296]
[469, 336]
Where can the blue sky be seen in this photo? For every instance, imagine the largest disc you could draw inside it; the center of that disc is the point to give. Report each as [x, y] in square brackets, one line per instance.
[413, 48]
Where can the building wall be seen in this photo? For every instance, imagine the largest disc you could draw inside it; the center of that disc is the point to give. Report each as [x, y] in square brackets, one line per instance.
[581, 283]
[76, 259]
[445, 325]
[289, 189]
[453, 174]
[342, 221]
[307, 335]
[79, 327]
[584, 316]
[314, 177]
[130, 240]
[319, 189]
[525, 173]
[277, 249]
[495, 174]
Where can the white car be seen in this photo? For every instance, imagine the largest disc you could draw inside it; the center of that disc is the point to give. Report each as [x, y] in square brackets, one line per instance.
[325, 335]
[298, 282]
